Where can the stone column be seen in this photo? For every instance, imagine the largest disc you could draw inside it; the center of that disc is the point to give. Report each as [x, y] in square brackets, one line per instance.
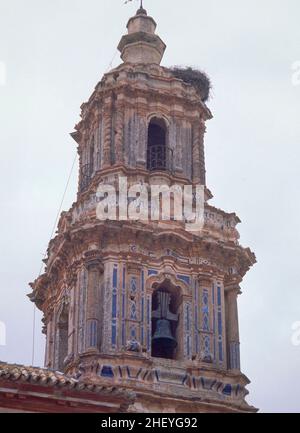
[119, 128]
[93, 302]
[196, 153]
[133, 313]
[71, 336]
[49, 355]
[199, 175]
[172, 144]
[202, 132]
[107, 122]
[205, 317]
[232, 327]
[142, 142]
[98, 147]
[186, 313]
[178, 149]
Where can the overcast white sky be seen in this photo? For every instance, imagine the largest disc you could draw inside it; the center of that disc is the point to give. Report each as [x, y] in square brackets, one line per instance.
[56, 51]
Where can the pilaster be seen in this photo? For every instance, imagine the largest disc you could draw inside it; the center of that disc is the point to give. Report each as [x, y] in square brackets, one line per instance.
[94, 268]
[107, 120]
[232, 326]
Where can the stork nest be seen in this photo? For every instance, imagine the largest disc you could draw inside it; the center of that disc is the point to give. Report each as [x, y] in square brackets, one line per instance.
[198, 79]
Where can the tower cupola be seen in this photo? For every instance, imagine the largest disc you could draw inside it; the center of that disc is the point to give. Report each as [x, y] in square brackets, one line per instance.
[141, 44]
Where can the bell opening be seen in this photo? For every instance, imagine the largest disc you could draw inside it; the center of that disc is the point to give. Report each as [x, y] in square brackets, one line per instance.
[164, 324]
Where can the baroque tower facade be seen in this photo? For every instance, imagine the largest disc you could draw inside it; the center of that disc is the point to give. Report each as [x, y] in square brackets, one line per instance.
[145, 305]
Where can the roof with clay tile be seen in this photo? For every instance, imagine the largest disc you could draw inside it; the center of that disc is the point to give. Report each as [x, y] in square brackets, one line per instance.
[18, 376]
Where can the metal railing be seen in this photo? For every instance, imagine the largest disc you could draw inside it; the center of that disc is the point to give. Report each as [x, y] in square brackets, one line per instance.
[159, 157]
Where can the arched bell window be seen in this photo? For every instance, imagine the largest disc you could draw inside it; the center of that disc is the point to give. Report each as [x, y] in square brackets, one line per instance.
[157, 145]
[164, 324]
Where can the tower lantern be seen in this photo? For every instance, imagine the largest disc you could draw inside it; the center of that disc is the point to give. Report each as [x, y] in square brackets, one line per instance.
[141, 44]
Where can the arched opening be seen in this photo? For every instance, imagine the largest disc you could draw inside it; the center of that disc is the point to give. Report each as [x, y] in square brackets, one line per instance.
[157, 145]
[164, 324]
[63, 335]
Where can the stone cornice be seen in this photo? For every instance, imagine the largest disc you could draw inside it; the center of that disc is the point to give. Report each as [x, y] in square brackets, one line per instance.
[84, 231]
[175, 93]
[76, 252]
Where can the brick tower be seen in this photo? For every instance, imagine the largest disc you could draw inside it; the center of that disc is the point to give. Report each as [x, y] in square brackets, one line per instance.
[146, 306]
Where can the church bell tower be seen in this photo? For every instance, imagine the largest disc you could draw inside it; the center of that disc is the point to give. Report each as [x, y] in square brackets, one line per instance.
[141, 305]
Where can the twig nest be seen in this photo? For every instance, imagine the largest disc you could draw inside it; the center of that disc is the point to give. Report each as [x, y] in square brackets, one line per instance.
[198, 79]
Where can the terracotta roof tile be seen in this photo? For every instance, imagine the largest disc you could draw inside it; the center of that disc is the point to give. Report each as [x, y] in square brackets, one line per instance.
[46, 377]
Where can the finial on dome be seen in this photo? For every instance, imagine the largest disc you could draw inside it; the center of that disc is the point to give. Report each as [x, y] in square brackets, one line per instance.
[141, 10]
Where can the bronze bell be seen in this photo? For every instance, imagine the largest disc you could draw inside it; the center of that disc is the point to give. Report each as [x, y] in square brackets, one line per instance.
[163, 342]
